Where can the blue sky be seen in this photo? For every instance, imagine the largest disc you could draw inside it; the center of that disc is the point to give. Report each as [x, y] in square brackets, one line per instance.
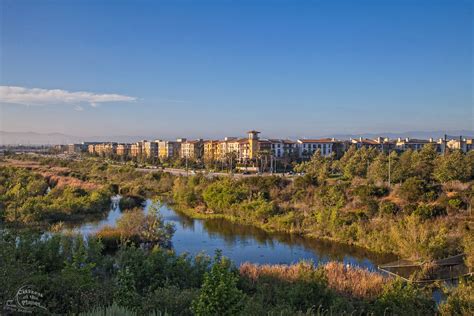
[215, 68]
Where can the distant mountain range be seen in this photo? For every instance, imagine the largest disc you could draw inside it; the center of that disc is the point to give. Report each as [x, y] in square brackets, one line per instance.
[32, 138]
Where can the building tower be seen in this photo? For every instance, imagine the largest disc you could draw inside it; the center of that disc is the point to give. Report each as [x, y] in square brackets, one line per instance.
[253, 144]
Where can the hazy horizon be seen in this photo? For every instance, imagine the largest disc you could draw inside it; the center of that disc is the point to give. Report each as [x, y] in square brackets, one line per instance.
[33, 138]
[221, 68]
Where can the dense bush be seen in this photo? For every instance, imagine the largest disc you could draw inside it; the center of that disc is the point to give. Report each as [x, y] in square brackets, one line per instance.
[428, 211]
[400, 298]
[219, 294]
[388, 208]
[413, 189]
[460, 300]
[25, 199]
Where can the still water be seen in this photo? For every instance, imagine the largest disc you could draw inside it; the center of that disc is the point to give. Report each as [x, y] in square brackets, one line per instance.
[243, 243]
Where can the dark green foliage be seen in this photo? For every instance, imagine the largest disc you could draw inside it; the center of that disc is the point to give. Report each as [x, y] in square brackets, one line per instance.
[429, 211]
[129, 202]
[368, 191]
[318, 168]
[413, 189]
[388, 208]
[63, 269]
[173, 300]
[222, 196]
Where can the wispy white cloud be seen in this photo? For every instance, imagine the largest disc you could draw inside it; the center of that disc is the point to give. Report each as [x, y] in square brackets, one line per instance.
[41, 97]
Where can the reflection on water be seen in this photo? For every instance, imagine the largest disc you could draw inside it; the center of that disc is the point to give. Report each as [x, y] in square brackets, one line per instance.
[111, 220]
[245, 243]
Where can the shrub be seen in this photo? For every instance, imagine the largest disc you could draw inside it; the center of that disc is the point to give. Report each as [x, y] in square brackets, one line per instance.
[259, 209]
[429, 211]
[468, 245]
[410, 208]
[112, 310]
[298, 287]
[412, 189]
[221, 196]
[400, 298]
[171, 299]
[129, 202]
[455, 204]
[388, 208]
[460, 301]
[219, 294]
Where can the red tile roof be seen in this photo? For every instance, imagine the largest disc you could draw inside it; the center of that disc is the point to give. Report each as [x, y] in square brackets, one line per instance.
[366, 141]
[321, 140]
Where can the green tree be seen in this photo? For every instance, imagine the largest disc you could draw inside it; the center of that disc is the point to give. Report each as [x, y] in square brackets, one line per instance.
[318, 167]
[424, 162]
[219, 294]
[221, 196]
[378, 169]
[126, 291]
[452, 166]
[402, 166]
[355, 162]
[470, 162]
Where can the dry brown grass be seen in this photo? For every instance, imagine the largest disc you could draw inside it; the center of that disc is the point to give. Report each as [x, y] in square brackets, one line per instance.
[54, 174]
[290, 273]
[354, 282]
[349, 281]
[108, 232]
[456, 186]
[66, 181]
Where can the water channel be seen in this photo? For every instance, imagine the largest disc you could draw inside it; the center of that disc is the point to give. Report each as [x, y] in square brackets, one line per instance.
[243, 243]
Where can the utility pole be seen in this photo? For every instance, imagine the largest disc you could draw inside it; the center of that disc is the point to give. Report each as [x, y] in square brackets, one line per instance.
[389, 171]
[445, 144]
[187, 173]
[271, 163]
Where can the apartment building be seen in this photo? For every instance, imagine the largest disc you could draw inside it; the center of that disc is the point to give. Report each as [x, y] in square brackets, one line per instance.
[136, 149]
[91, 149]
[75, 148]
[150, 149]
[104, 149]
[169, 149]
[415, 144]
[307, 147]
[123, 150]
[210, 150]
[242, 149]
[283, 148]
[193, 149]
[365, 142]
[230, 145]
[252, 147]
[462, 144]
